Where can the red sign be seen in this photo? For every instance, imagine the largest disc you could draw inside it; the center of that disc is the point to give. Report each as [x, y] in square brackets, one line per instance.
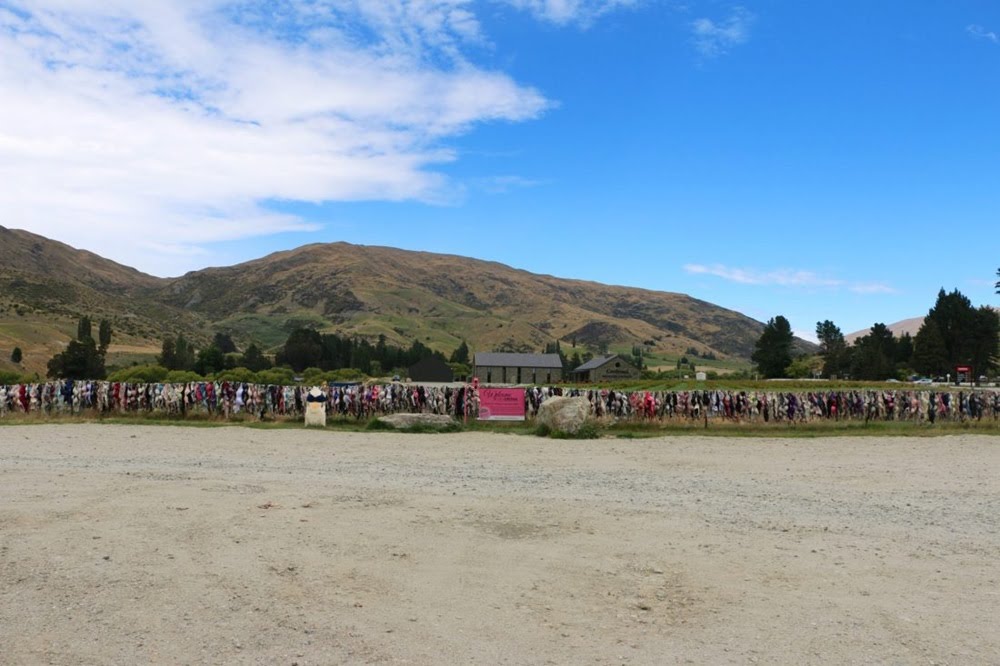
[501, 404]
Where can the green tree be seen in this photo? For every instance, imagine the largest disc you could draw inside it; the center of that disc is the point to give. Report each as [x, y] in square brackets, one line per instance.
[874, 355]
[800, 368]
[461, 354]
[929, 354]
[83, 328]
[904, 350]
[302, 349]
[16, 355]
[556, 348]
[185, 354]
[224, 342]
[773, 352]
[986, 340]
[970, 335]
[168, 354]
[210, 361]
[104, 335]
[254, 360]
[833, 349]
[176, 354]
[80, 360]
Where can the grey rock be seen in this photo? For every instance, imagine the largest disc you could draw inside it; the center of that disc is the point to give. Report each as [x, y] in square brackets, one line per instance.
[564, 414]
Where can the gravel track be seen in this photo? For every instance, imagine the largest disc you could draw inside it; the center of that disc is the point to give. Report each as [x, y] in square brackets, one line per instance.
[145, 544]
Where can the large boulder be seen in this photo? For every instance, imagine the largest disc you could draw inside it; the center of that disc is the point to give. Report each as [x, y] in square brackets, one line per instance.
[402, 421]
[563, 414]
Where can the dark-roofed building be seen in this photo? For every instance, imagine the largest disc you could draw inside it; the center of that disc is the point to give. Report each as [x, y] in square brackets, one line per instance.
[431, 369]
[605, 369]
[509, 368]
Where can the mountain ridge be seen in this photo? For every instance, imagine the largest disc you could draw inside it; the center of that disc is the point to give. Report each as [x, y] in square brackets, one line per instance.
[359, 290]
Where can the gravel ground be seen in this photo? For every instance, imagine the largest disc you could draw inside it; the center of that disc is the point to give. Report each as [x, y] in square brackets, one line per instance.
[174, 545]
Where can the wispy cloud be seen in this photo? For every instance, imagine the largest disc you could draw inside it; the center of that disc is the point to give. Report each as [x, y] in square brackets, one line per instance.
[979, 32]
[502, 184]
[780, 277]
[714, 38]
[785, 277]
[563, 12]
[138, 127]
[871, 288]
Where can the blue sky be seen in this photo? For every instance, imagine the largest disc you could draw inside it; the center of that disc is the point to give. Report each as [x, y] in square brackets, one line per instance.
[819, 160]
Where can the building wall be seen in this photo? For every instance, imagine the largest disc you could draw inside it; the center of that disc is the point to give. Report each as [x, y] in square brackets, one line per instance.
[509, 375]
[614, 370]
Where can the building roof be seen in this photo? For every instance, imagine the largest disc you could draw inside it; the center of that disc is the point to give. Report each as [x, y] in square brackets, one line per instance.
[595, 363]
[506, 359]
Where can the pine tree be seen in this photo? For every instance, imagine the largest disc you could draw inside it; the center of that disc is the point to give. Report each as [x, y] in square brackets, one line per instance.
[83, 329]
[773, 351]
[970, 335]
[168, 354]
[929, 354]
[224, 342]
[253, 359]
[461, 354]
[104, 335]
[833, 348]
[874, 355]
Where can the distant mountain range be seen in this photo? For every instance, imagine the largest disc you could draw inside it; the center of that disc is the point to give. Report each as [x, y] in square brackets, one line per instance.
[899, 328]
[45, 286]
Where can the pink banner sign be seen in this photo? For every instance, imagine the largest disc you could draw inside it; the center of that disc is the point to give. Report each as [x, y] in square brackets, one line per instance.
[501, 404]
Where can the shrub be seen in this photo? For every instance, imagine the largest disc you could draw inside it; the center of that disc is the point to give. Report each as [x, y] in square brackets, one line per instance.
[279, 376]
[143, 374]
[180, 376]
[237, 375]
[588, 430]
[423, 428]
[8, 377]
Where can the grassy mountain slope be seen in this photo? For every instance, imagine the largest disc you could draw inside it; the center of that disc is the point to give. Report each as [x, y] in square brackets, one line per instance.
[45, 286]
[442, 299]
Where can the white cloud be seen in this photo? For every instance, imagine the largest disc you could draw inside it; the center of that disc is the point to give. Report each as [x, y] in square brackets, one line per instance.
[562, 12]
[980, 32]
[781, 277]
[785, 277]
[806, 335]
[140, 128]
[714, 38]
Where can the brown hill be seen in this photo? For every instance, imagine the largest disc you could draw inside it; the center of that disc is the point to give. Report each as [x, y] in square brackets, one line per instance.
[443, 299]
[45, 286]
[911, 326]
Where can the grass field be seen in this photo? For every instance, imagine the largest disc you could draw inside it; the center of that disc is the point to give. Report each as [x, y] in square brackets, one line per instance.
[606, 427]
